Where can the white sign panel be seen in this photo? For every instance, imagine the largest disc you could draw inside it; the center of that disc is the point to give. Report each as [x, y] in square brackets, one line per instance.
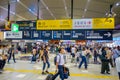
[13, 35]
[82, 23]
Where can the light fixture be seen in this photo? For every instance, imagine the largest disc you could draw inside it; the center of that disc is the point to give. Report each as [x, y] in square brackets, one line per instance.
[117, 4]
[47, 8]
[85, 10]
[18, 0]
[65, 8]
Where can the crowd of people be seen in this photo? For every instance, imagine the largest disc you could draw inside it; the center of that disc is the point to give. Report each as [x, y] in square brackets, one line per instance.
[106, 56]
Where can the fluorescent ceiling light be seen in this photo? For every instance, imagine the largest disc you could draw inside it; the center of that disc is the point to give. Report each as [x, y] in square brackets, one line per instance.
[18, 0]
[85, 10]
[117, 4]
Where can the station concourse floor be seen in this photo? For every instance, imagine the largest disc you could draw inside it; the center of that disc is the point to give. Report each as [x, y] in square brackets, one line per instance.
[24, 70]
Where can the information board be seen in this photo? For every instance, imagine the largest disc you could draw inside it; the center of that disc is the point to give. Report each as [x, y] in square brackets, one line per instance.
[54, 24]
[78, 35]
[26, 25]
[46, 35]
[57, 35]
[103, 23]
[62, 35]
[82, 23]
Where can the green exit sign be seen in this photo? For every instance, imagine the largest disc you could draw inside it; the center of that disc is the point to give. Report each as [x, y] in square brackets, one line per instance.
[15, 27]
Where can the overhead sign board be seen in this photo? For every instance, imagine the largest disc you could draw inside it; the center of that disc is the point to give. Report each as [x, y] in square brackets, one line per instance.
[103, 23]
[15, 27]
[54, 24]
[66, 35]
[35, 34]
[57, 35]
[46, 35]
[12, 35]
[27, 34]
[26, 25]
[61, 35]
[78, 35]
[82, 23]
[98, 35]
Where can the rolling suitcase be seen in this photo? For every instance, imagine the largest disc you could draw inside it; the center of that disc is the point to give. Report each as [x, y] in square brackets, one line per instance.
[49, 77]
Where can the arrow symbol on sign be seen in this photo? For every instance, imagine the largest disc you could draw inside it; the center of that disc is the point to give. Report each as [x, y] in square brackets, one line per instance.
[108, 34]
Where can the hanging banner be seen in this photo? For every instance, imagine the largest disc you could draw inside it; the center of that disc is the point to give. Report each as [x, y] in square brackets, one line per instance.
[54, 24]
[82, 23]
[103, 23]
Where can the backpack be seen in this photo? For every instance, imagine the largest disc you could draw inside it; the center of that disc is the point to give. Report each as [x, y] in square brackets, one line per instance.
[66, 72]
[55, 59]
[10, 51]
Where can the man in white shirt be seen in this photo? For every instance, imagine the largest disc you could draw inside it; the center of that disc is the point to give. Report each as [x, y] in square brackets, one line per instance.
[60, 64]
[117, 61]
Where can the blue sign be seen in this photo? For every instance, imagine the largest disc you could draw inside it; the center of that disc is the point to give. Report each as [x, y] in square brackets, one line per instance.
[26, 25]
[66, 35]
[57, 35]
[27, 35]
[36, 35]
[98, 35]
[46, 35]
[78, 35]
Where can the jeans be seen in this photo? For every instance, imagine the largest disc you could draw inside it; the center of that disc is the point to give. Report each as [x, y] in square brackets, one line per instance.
[2, 64]
[11, 55]
[105, 67]
[83, 61]
[95, 59]
[60, 72]
[44, 65]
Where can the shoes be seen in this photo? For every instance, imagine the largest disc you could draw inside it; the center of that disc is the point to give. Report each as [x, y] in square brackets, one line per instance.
[43, 73]
[107, 73]
[46, 71]
[102, 73]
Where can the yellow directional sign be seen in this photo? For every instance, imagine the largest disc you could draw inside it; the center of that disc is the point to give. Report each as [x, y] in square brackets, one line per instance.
[54, 24]
[103, 23]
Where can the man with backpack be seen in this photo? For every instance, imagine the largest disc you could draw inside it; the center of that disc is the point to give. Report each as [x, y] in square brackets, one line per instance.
[60, 64]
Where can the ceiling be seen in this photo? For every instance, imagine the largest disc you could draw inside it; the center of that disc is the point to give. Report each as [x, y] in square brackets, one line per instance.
[57, 9]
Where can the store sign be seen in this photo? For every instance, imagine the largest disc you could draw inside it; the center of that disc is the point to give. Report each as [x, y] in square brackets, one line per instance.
[103, 23]
[12, 35]
[82, 23]
[54, 24]
[26, 25]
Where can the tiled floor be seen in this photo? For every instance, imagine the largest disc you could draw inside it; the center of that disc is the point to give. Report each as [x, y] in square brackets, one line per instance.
[24, 70]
